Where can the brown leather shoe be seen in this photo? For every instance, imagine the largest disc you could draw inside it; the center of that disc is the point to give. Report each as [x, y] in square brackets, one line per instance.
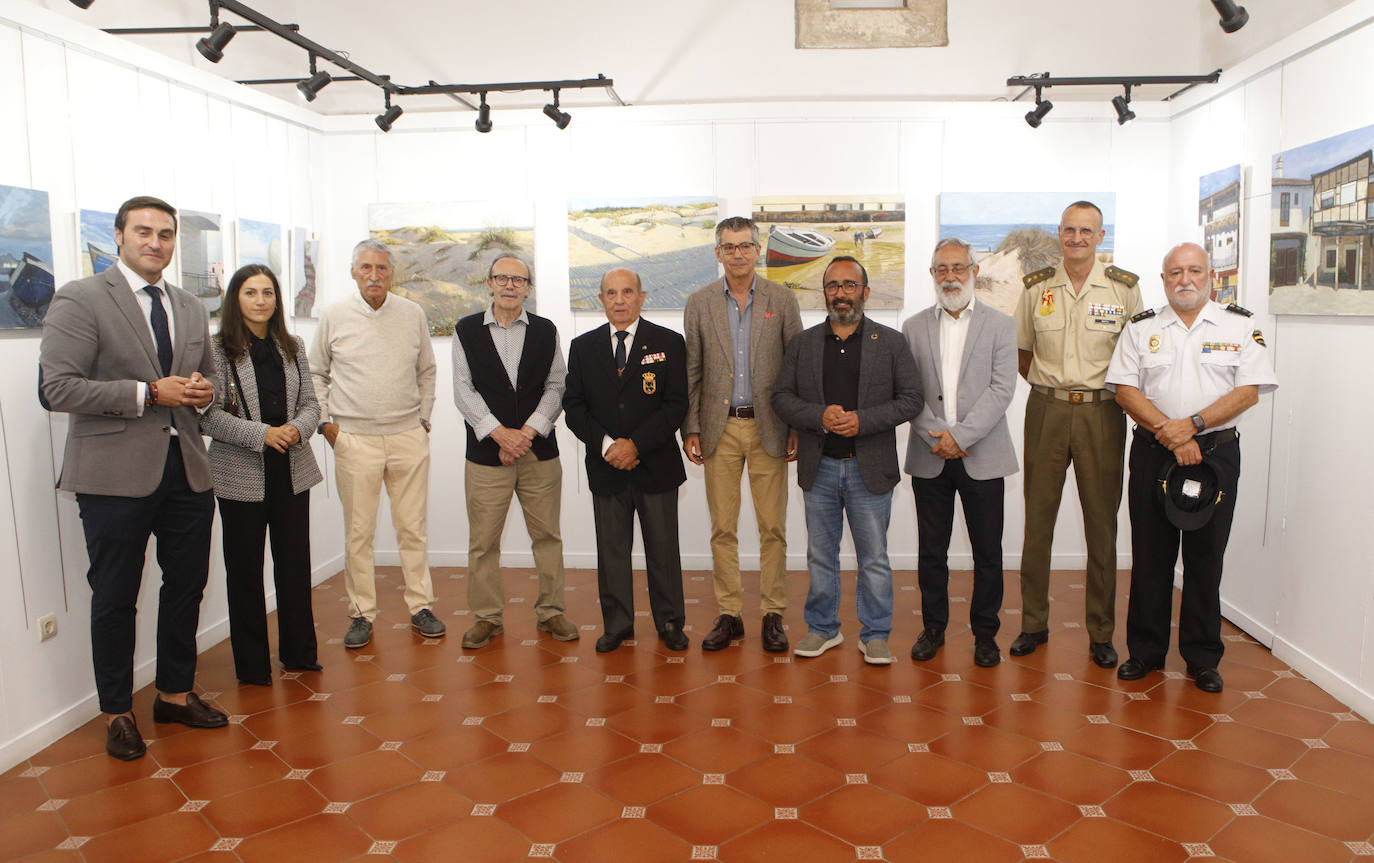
[559, 627]
[123, 741]
[728, 627]
[193, 714]
[774, 638]
[481, 632]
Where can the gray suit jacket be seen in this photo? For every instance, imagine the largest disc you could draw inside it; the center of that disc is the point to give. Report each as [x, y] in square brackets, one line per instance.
[889, 395]
[96, 347]
[237, 443]
[711, 361]
[987, 380]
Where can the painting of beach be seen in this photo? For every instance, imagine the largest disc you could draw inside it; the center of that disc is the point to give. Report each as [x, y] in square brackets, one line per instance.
[26, 278]
[442, 251]
[669, 241]
[95, 241]
[801, 234]
[201, 238]
[1016, 233]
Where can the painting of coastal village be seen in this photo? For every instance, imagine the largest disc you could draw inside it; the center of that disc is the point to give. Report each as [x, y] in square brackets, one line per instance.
[669, 241]
[95, 241]
[800, 234]
[1321, 227]
[442, 252]
[201, 239]
[1016, 233]
[26, 279]
[1218, 213]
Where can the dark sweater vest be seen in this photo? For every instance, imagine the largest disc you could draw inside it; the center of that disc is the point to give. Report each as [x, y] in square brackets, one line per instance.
[510, 405]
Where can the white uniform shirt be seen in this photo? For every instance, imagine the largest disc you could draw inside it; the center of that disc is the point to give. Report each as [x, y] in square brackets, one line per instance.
[953, 335]
[1182, 370]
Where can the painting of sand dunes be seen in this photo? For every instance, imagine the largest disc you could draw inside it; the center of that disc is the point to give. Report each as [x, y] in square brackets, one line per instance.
[669, 241]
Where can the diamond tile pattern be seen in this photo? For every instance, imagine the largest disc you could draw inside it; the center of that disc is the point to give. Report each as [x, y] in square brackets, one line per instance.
[414, 749]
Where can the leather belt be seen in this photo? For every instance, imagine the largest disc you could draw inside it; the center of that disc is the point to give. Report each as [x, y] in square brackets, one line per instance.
[743, 412]
[1075, 397]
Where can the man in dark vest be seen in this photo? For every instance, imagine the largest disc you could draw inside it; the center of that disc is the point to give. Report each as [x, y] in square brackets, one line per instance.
[508, 375]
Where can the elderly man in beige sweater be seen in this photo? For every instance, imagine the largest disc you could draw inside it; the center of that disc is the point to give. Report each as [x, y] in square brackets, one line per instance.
[373, 368]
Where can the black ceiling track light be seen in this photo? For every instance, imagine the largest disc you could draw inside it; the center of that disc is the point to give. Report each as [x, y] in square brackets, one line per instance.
[392, 113]
[483, 123]
[560, 118]
[318, 80]
[1233, 17]
[1122, 104]
[1042, 107]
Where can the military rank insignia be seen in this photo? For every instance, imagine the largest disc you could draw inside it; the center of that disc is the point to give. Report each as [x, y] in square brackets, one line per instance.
[1046, 302]
[1259, 338]
[650, 384]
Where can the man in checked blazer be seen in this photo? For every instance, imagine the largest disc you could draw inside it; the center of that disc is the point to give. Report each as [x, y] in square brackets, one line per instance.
[737, 328]
[959, 443]
[132, 367]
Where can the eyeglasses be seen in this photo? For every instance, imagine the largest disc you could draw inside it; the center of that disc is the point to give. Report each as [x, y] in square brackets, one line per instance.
[957, 270]
[847, 286]
[501, 280]
[731, 248]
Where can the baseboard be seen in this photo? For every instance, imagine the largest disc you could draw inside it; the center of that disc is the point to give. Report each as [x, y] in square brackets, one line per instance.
[702, 560]
[1335, 684]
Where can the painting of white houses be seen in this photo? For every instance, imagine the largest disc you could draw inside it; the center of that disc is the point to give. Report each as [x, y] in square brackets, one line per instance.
[1218, 213]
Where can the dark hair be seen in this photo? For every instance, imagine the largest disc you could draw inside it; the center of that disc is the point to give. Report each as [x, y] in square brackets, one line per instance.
[143, 202]
[840, 259]
[234, 336]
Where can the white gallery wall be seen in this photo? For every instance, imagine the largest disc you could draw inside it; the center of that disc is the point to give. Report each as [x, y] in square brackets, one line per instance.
[101, 121]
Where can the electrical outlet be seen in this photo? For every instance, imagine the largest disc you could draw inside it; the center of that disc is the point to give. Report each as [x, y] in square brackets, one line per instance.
[47, 627]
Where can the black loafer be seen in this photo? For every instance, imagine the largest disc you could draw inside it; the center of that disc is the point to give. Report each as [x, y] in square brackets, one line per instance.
[928, 645]
[673, 637]
[728, 627]
[193, 714]
[774, 638]
[1134, 669]
[611, 640]
[985, 652]
[123, 741]
[1026, 642]
[1206, 679]
[1103, 654]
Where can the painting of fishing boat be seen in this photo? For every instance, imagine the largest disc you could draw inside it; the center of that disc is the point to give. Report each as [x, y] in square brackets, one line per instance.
[96, 241]
[788, 247]
[26, 278]
[802, 234]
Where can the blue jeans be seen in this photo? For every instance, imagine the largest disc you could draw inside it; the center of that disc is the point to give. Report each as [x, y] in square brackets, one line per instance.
[839, 491]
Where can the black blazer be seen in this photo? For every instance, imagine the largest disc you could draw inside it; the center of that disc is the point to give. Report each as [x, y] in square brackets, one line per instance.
[646, 404]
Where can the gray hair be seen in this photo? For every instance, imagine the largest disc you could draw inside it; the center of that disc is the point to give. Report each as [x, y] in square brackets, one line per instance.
[370, 245]
[736, 223]
[952, 241]
[511, 256]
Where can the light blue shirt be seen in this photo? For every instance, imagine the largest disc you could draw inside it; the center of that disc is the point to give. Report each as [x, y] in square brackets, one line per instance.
[740, 324]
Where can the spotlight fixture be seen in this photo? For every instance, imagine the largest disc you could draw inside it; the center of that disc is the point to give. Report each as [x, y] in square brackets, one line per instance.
[212, 47]
[318, 80]
[1122, 104]
[483, 123]
[560, 118]
[82, 4]
[389, 116]
[1233, 17]
[1042, 107]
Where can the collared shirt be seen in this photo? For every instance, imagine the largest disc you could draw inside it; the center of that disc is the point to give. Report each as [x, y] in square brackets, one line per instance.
[607, 440]
[510, 346]
[741, 322]
[840, 382]
[145, 302]
[367, 307]
[1181, 369]
[953, 334]
[1070, 337]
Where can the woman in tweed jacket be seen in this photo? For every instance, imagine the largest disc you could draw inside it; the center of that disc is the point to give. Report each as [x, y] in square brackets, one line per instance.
[263, 467]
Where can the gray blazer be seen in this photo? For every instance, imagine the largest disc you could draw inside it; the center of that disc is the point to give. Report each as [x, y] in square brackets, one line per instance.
[97, 346]
[237, 444]
[987, 380]
[889, 395]
[711, 361]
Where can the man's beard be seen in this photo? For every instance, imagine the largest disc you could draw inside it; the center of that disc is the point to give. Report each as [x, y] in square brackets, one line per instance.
[848, 317]
[955, 301]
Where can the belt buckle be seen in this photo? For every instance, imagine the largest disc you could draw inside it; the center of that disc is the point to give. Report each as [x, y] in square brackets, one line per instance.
[1075, 397]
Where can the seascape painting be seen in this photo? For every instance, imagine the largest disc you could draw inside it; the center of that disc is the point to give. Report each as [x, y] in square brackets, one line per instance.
[669, 241]
[305, 251]
[1218, 213]
[1014, 234]
[800, 235]
[442, 252]
[201, 238]
[26, 278]
[1321, 227]
[95, 241]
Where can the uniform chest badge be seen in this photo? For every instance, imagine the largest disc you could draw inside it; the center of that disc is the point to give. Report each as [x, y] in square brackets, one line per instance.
[1154, 343]
[1046, 302]
[650, 384]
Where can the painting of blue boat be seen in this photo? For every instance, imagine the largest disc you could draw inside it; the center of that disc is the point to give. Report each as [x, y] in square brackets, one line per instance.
[26, 277]
[96, 241]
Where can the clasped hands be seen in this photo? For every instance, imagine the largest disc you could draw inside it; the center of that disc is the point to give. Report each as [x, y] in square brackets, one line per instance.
[837, 420]
[622, 454]
[947, 448]
[1177, 435]
[282, 438]
[175, 391]
[514, 443]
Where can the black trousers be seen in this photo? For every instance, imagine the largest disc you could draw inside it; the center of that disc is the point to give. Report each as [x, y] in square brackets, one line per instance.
[614, 517]
[1154, 551]
[245, 525]
[982, 501]
[117, 531]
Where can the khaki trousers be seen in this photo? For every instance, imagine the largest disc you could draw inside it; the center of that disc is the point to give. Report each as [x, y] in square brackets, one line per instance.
[740, 446]
[1092, 437]
[362, 463]
[539, 487]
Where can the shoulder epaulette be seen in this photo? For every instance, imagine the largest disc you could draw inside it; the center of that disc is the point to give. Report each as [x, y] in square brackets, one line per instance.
[1240, 310]
[1143, 316]
[1030, 280]
[1125, 277]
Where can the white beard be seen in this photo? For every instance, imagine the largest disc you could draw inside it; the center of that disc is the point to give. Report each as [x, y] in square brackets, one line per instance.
[955, 301]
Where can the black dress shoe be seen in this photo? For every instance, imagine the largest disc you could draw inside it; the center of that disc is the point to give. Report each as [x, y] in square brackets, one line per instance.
[728, 627]
[611, 640]
[302, 666]
[1103, 654]
[193, 714]
[673, 637]
[774, 638]
[1206, 679]
[1134, 669]
[985, 652]
[1026, 642]
[256, 681]
[928, 645]
[123, 741]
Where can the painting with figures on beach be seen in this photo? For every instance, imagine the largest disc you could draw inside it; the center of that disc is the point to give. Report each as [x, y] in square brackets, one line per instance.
[800, 234]
[1014, 234]
[669, 241]
[26, 278]
[442, 251]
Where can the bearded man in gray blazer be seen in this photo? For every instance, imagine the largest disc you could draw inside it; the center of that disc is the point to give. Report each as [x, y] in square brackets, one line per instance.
[132, 367]
[966, 353]
[737, 328]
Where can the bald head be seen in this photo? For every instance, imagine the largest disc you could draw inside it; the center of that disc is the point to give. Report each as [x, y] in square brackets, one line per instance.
[622, 296]
[1187, 279]
[1184, 249]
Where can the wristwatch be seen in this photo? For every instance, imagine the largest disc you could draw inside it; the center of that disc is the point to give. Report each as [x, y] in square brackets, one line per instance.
[1199, 423]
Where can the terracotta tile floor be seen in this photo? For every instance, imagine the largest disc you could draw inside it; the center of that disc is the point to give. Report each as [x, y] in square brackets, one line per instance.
[532, 749]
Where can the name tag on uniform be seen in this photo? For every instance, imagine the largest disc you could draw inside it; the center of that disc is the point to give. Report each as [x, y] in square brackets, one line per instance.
[653, 358]
[1220, 347]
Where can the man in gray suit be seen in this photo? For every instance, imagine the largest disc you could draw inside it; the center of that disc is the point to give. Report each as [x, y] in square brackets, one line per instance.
[132, 368]
[737, 328]
[845, 386]
[959, 443]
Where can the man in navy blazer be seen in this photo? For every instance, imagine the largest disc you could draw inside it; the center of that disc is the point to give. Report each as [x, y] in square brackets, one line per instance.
[966, 353]
[626, 397]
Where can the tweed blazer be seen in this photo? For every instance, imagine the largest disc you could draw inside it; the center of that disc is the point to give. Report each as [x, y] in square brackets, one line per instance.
[237, 444]
[775, 320]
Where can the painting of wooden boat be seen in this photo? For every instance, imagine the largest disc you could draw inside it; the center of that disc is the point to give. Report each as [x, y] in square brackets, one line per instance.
[101, 260]
[789, 246]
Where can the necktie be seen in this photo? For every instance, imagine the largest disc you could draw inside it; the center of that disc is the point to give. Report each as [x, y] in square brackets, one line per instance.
[161, 334]
[620, 336]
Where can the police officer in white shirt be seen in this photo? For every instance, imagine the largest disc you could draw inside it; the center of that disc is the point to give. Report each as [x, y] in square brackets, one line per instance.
[1184, 373]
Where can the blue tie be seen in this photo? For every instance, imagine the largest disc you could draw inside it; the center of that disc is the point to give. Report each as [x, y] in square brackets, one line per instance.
[161, 334]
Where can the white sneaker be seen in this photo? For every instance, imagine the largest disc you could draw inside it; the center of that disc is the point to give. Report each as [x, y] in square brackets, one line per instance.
[875, 652]
[814, 644]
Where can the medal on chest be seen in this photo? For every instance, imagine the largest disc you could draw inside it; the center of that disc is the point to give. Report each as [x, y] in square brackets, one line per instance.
[1046, 303]
[650, 384]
